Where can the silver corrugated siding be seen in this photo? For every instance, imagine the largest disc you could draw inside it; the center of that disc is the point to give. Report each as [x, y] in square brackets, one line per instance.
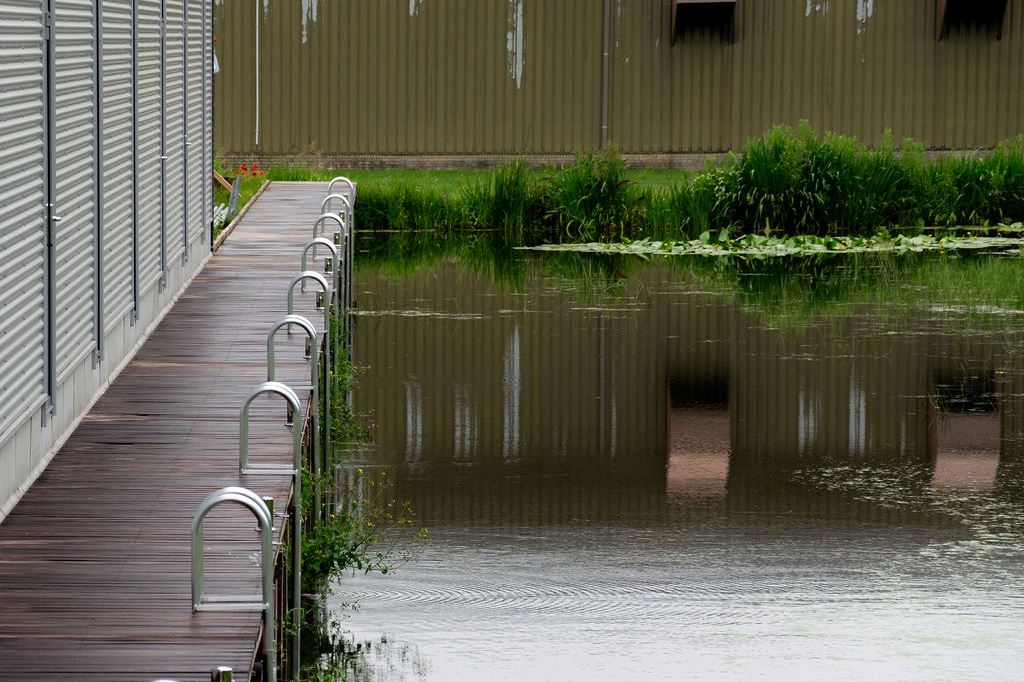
[22, 196]
[150, 118]
[74, 196]
[117, 182]
[174, 131]
[194, 124]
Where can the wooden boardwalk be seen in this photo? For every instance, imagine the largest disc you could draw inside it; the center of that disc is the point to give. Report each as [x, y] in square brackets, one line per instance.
[95, 559]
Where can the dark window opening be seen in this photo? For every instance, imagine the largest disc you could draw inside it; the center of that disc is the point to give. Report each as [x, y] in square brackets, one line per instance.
[697, 16]
[983, 15]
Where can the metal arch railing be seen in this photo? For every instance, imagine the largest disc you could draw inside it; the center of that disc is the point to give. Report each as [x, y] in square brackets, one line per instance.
[318, 225]
[296, 470]
[348, 222]
[335, 268]
[342, 178]
[344, 238]
[294, 407]
[313, 352]
[345, 243]
[328, 356]
[319, 229]
[325, 205]
[324, 287]
[200, 602]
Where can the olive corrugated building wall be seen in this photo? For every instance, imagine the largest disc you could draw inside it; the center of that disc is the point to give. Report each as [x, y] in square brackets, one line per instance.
[451, 77]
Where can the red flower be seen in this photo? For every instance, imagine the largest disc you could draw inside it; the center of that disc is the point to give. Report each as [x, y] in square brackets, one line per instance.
[255, 166]
[243, 167]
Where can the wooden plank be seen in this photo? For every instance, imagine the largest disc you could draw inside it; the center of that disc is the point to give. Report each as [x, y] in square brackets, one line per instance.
[221, 181]
[95, 558]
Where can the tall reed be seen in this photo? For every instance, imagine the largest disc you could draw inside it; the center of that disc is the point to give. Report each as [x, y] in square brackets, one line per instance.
[787, 181]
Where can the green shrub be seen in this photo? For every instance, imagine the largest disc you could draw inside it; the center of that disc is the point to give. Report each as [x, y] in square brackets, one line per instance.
[787, 181]
[683, 211]
[591, 199]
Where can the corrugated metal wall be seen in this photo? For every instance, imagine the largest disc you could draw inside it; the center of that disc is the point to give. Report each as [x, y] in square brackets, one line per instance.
[22, 213]
[410, 76]
[83, 132]
[117, 167]
[525, 76]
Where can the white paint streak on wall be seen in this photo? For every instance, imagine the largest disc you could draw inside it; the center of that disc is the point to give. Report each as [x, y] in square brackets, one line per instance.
[309, 12]
[414, 7]
[813, 7]
[618, 22]
[266, 8]
[514, 42]
[865, 10]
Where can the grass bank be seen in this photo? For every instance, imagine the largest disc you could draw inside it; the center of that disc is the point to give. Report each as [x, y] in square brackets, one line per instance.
[784, 183]
[251, 181]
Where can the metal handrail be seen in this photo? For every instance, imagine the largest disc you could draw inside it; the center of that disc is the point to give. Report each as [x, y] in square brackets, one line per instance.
[258, 507]
[296, 470]
[335, 267]
[342, 178]
[324, 286]
[343, 228]
[347, 232]
[328, 366]
[324, 241]
[318, 226]
[243, 430]
[313, 352]
[325, 205]
[314, 384]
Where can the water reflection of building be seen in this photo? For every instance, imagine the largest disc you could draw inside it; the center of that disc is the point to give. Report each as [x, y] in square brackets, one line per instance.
[662, 393]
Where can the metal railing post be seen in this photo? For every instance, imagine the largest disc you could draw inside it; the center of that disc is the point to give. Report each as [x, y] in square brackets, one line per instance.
[329, 357]
[319, 229]
[200, 602]
[296, 470]
[314, 386]
[335, 270]
[348, 202]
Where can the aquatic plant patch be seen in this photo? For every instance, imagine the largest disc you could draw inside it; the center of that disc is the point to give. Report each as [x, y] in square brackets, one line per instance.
[722, 244]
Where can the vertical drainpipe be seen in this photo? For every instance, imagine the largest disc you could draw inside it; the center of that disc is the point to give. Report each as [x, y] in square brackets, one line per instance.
[605, 71]
[135, 162]
[257, 2]
[163, 144]
[50, 266]
[97, 291]
[204, 172]
[185, 143]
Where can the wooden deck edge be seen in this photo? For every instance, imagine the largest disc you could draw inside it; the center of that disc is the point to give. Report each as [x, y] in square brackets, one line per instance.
[238, 218]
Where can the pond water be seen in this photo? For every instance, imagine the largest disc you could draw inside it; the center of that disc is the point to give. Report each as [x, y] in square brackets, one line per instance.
[666, 469]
